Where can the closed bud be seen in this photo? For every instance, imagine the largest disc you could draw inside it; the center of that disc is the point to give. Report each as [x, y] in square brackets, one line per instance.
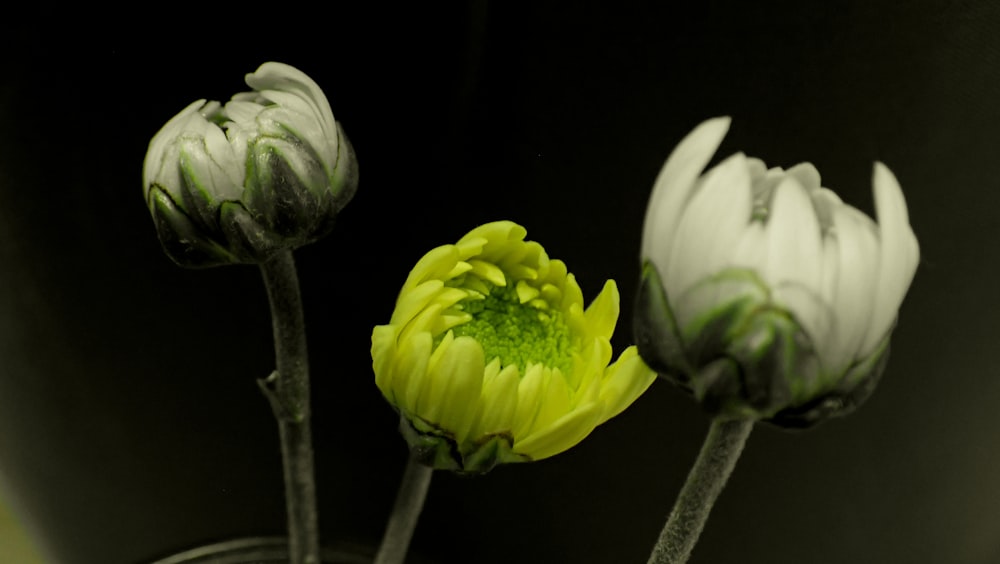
[236, 183]
[764, 294]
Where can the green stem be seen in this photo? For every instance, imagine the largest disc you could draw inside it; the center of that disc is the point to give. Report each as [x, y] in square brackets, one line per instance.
[287, 388]
[708, 476]
[405, 513]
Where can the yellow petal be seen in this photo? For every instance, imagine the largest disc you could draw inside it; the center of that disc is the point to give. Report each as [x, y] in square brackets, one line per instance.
[499, 400]
[602, 314]
[556, 399]
[496, 232]
[526, 292]
[556, 271]
[562, 434]
[458, 380]
[413, 300]
[418, 392]
[488, 271]
[589, 366]
[551, 293]
[470, 246]
[435, 265]
[410, 369]
[625, 380]
[383, 350]
[529, 396]
[572, 295]
[425, 320]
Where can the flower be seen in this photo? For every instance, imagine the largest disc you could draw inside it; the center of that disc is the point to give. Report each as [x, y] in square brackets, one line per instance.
[267, 172]
[490, 356]
[763, 293]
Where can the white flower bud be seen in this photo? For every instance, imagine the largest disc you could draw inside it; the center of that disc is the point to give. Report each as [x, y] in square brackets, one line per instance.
[762, 292]
[269, 171]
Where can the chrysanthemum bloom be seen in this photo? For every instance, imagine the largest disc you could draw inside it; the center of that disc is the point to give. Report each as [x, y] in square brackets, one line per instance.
[763, 293]
[490, 356]
[265, 173]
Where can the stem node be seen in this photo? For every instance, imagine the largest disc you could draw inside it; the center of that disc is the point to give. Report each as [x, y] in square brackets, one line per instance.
[287, 390]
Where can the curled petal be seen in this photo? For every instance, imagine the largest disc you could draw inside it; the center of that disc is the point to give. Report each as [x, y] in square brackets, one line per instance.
[899, 254]
[712, 224]
[673, 188]
[562, 434]
[626, 380]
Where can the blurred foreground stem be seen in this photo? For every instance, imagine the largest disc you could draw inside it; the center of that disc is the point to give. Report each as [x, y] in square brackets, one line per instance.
[708, 476]
[405, 513]
[287, 388]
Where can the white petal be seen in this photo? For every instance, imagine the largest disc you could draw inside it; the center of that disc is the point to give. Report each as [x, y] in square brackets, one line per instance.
[673, 186]
[751, 250]
[830, 269]
[157, 166]
[793, 235]
[794, 259]
[273, 79]
[899, 254]
[703, 300]
[806, 174]
[711, 226]
[757, 168]
[824, 200]
[764, 185]
[221, 152]
[857, 245]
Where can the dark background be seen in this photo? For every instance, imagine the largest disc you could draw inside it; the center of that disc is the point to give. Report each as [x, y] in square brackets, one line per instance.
[130, 423]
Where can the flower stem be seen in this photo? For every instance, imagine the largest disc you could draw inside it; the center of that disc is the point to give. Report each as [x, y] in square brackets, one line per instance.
[709, 474]
[287, 389]
[409, 502]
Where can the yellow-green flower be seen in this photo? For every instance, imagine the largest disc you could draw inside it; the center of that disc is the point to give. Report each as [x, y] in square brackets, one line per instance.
[490, 356]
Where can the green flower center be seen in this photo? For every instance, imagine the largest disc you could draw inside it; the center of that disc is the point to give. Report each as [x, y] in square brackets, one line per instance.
[518, 333]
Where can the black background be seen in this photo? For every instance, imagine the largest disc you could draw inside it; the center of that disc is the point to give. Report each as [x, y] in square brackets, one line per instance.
[130, 423]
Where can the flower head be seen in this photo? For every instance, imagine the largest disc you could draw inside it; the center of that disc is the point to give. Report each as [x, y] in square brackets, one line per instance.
[762, 292]
[266, 172]
[490, 356]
